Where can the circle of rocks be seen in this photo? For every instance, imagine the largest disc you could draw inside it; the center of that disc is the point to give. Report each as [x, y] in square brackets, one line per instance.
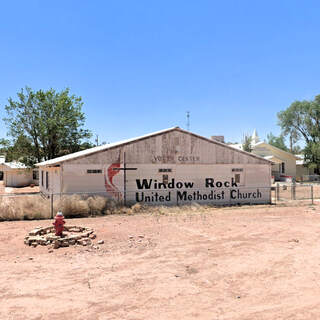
[72, 235]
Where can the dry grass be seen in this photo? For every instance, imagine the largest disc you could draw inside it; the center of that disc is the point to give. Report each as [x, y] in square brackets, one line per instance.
[24, 207]
[73, 206]
[35, 207]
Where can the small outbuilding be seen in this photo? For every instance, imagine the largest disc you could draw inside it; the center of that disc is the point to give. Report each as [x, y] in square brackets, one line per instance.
[171, 166]
[16, 174]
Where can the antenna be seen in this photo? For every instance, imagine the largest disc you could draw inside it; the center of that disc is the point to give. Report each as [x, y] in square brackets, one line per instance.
[188, 120]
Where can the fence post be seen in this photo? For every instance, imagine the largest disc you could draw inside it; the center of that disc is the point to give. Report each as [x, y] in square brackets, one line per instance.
[278, 192]
[311, 194]
[293, 191]
[51, 207]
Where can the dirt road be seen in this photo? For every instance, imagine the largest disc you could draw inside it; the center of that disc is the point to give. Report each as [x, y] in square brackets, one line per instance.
[233, 263]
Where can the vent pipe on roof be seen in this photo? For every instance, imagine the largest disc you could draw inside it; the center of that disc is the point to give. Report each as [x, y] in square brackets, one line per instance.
[218, 138]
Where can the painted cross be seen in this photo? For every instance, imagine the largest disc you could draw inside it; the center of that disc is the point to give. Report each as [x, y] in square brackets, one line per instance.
[124, 169]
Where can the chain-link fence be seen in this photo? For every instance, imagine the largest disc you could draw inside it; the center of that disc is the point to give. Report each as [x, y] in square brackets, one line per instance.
[45, 206]
[36, 206]
[289, 192]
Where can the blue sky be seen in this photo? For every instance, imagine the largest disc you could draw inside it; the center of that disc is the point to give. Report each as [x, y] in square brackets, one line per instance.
[140, 65]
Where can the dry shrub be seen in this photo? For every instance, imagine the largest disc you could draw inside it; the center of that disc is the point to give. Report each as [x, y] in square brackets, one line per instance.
[8, 210]
[139, 208]
[74, 206]
[136, 208]
[34, 208]
[97, 204]
[23, 207]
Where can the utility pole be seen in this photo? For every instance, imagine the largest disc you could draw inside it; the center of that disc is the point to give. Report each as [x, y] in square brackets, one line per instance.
[188, 121]
[97, 140]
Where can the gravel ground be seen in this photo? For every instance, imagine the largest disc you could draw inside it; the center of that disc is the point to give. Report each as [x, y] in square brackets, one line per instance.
[259, 262]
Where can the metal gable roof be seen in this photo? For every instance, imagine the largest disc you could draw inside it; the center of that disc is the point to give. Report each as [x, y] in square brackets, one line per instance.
[128, 141]
[100, 148]
[269, 146]
[15, 165]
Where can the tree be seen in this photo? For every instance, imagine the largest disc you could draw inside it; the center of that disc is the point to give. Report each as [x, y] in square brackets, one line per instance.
[246, 143]
[51, 123]
[22, 150]
[302, 120]
[4, 145]
[277, 141]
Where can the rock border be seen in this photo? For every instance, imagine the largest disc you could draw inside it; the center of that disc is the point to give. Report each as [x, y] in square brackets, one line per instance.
[45, 236]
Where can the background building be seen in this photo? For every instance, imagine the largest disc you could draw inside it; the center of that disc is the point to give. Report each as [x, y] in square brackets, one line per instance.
[283, 162]
[17, 174]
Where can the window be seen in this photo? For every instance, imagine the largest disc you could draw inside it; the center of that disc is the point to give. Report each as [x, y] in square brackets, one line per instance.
[94, 171]
[237, 178]
[283, 167]
[47, 180]
[35, 175]
[165, 179]
[41, 178]
[237, 169]
[165, 170]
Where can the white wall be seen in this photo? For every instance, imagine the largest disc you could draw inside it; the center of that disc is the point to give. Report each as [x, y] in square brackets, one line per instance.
[17, 178]
[52, 176]
[254, 179]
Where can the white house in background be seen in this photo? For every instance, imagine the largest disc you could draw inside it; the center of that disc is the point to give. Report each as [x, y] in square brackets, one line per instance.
[17, 174]
[284, 163]
[171, 166]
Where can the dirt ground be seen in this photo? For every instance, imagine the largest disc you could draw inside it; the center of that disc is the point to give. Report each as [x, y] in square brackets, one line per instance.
[260, 262]
[9, 190]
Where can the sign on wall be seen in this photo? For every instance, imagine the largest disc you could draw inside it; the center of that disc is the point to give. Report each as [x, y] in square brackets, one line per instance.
[178, 184]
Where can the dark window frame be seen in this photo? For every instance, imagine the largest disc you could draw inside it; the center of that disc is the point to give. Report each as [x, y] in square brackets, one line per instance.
[165, 170]
[96, 171]
[35, 175]
[47, 180]
[165, 179]
[237, 178]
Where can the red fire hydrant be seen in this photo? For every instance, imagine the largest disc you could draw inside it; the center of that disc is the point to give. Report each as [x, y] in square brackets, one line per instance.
[58, 223]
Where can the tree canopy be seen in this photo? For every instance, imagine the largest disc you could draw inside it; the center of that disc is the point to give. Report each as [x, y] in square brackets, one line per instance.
[277, 141]
[44, 125]
[301, 120]
[247, 143]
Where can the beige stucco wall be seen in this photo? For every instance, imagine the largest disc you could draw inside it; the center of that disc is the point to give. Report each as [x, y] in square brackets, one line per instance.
[287, 158]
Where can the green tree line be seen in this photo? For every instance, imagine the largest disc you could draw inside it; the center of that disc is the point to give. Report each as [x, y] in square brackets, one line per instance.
[43, 125]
